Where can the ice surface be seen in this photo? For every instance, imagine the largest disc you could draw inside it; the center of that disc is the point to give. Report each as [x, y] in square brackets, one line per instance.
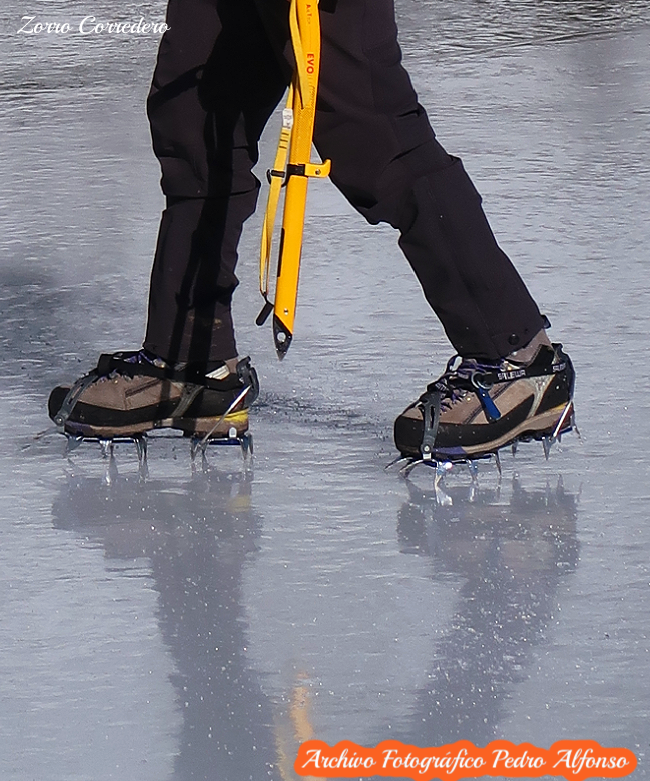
[201, 622]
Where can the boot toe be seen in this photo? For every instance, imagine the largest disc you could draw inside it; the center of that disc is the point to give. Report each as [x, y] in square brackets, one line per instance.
[55, 402]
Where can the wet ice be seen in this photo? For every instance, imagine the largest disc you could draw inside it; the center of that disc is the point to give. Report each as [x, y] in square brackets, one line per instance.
[201, 623]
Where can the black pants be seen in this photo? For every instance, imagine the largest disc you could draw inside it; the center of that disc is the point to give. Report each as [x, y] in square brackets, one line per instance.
[222, 69]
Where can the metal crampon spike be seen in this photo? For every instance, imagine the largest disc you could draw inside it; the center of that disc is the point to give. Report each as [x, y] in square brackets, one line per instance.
[398, 460]
[72, 443]
[574, 426]
[107, 447]
[246, 442]
[514, 448]
[473, 470]
[428, 462]
[442, 468]
[442, 497]
[111, 473]
[196, 444]
[547, 444]
[406, 470]
[140, 442]
[497, 460]
[46, 432]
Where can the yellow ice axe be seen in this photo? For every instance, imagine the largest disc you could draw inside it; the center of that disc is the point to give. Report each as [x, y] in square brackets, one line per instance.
[295, 144]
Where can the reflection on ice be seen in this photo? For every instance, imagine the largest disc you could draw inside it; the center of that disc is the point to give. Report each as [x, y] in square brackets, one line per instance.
[196, 535]
[507, 551]
[512, 552]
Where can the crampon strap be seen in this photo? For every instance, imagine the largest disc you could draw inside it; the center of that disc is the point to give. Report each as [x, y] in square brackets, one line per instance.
[479, 380]
[127, 364]
[431, 406]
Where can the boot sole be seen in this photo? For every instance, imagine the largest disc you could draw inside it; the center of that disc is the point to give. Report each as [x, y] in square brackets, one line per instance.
[537, 427]
[202, 426]
[192, 426]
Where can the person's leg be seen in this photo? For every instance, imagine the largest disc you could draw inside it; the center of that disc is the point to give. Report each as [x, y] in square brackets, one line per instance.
[216, 82]
[388, 163]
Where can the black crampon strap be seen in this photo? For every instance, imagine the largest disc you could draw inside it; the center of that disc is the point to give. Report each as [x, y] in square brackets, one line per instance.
[430, 400]
[193, 380]
[478, 381]
[73, 395]
[248, 377]
[486, 379]
[120, 364]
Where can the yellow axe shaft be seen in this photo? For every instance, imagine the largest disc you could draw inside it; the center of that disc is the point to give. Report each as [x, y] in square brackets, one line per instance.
[299, 124]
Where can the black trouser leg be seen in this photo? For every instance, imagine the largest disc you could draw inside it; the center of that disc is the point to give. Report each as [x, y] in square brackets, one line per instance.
[387, 162]
[216, 82]
[220, 73]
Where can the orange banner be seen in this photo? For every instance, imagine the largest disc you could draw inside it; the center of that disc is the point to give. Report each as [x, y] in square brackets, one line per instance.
[572, 759]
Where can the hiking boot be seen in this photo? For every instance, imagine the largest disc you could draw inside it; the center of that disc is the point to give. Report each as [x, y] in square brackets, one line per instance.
[475, 408]
[130, 393]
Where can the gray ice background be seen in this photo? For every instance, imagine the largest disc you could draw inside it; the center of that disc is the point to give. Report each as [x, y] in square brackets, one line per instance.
[200, 625]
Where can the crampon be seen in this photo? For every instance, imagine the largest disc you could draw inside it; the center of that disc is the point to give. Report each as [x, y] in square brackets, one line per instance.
[475, 409]
[128, 396]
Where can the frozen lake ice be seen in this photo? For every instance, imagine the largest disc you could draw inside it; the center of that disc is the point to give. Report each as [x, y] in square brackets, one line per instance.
[202, 623]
